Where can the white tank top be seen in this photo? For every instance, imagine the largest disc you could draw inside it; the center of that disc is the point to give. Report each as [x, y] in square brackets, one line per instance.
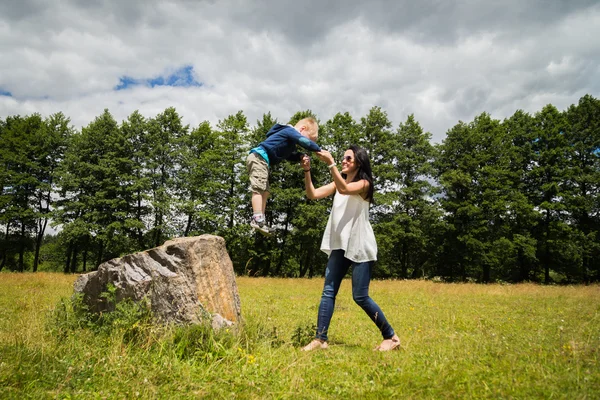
[349, 229]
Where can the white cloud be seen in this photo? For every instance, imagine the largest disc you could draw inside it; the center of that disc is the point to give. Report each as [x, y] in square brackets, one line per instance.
[443, 62]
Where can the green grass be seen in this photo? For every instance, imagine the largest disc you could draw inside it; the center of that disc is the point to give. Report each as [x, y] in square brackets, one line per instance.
[458, 341]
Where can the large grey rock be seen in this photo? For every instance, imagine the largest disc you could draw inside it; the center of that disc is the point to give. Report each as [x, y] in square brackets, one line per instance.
[183, 281]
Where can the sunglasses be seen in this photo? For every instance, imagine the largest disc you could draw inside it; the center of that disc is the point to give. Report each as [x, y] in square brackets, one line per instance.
[347, 158]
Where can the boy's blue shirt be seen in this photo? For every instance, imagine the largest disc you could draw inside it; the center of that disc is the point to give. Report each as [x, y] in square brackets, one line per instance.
[281, 144]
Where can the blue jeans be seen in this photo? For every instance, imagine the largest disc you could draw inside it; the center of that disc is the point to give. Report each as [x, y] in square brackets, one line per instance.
[337, 267]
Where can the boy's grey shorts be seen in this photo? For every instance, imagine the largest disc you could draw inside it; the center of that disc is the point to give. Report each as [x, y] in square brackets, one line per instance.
[258, 171]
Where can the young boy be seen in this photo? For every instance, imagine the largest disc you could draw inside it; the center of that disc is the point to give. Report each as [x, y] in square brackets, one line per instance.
[279, 145]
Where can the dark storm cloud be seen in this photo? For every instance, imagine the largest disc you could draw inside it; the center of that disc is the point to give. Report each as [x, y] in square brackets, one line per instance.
[429, 21]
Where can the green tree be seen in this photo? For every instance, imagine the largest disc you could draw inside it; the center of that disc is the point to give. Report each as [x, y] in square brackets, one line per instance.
[95, 182]
[50, 151]
[494, 185]
[339, 133]
[376, 138]
[75, 190]
[456, 168]
[484, 169]
[231, 186]
[165, 137]
[20, 157]
[196, 182]
[407, 234]
[521, 132]
[548, 176]
[135, 133]
[583, 182]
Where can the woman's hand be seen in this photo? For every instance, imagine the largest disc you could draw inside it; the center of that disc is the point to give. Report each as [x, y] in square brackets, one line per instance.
[325, 156]
[305, 162]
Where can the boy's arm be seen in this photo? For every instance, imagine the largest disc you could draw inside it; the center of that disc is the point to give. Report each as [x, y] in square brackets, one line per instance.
[301, 140]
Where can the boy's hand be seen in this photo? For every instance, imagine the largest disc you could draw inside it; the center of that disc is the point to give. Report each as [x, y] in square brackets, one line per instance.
[305, 162]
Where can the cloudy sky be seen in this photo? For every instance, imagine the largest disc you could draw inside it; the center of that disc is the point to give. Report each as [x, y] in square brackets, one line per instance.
[442, 61]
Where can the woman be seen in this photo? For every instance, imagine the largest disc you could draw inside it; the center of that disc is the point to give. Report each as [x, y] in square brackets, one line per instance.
[348, 240]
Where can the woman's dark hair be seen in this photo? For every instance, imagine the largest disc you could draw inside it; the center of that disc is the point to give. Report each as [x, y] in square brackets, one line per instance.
[364, 168]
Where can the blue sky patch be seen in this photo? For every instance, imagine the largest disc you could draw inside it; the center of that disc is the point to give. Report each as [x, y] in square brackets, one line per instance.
[5, 93]
[183, 77]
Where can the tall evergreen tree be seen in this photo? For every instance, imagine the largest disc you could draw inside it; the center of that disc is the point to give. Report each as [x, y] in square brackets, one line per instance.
[555, 246]
[136, 135]
[406, 235]
[583, 182]
[196, 182]
[50, 150]
[21, 153]
[375, 137]
[165, 133]
[95, 180]
[456, 166]
[73, 204]
[521, 132]
[339, 133]
[232, 186]
[481, 172]
[493, 185]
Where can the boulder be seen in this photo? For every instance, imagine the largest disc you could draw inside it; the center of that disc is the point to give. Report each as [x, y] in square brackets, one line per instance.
[185, 280]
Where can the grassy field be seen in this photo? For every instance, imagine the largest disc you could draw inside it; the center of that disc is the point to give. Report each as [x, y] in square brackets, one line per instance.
[458, 341]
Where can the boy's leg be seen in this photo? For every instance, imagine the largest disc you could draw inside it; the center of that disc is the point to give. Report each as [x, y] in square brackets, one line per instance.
[257, 203]
[258, 172]
[264, 196]
[258, 220]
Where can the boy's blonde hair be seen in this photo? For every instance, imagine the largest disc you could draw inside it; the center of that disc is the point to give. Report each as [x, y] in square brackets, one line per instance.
[313, 127]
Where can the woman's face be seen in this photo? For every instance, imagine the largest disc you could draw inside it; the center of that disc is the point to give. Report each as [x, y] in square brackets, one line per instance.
[349, 164]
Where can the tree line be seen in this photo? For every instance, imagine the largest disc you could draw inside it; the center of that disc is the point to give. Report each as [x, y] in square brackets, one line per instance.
[512, 200]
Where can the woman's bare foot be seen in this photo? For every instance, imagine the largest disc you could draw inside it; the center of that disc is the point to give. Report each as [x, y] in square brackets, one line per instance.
[389, 344]
[315, 344]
